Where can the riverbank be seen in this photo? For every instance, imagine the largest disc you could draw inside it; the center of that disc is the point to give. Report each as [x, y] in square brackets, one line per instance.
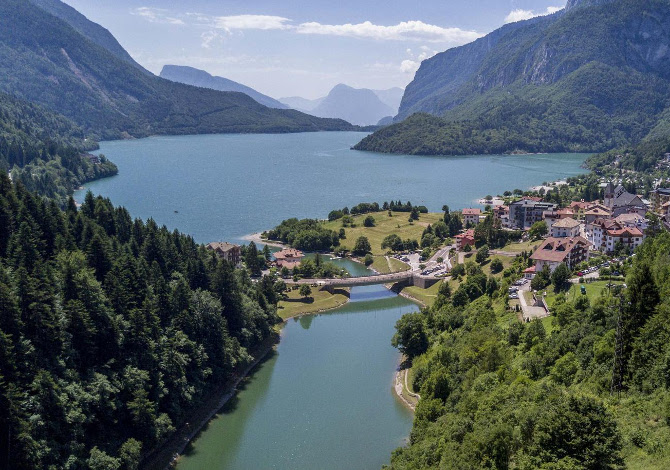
[167, 455]
[259, 240]
[317, 302]
[402, 390]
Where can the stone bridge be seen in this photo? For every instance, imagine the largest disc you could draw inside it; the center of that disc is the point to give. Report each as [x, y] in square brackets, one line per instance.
[403, 278]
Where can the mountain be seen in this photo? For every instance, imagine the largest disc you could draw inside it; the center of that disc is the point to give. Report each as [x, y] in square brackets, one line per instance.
[45, 60]
[301, 104]
[200, 78]
[391, 97]
[591, 77]
[358, 106]
[90, 30]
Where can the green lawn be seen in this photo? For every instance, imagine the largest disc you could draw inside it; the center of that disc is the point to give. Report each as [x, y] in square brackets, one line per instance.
[317, 301]
[519, 247]
[381, 265]
[506, 261]
[593, 291]
[384, 225]
[428, 296]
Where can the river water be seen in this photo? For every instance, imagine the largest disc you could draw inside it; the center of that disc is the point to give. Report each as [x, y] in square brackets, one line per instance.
[325, 399]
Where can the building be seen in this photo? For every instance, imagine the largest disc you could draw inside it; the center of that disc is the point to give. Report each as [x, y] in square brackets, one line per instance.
[464, 239]
[502, 214]
[632, 220]
[471, 216]
[620, 201]
[579, 209]
[629, 237]
[554, 251]
[553, 216]
[227, 251]
[529, 273]
[596, 211]
[288, 258]
[659, 197]
[568, 227]
[524, 213]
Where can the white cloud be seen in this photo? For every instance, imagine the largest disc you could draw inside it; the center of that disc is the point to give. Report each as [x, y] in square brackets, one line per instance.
[520, 14]
[210, 39]
[262, 22]
[406, 30]
[403, 31]
[156, 15]
[409, 66]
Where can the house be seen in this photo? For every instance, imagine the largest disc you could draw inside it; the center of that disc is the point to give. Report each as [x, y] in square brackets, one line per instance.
[659, 197]
[529, 273]
[524, 213]
[92, 158]
[471, 216]
[630, 237]
[227, 251]
[288, 258]
[554, 251]
[595, 212]
[620, 201]
[553, 216]
[502, 214]
[579, 209]
[568, 227]
[632, 220]
[464, 239]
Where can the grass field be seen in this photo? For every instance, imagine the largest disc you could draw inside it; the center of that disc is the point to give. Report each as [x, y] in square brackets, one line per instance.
[593, 291]
[384, 225]
[428, 296]
[519, 247]
[381, 265]
[317, 301]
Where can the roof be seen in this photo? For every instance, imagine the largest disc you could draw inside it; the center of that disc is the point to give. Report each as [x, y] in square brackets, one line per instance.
[664, 191]
[557, 249]
[288, 254]
[627, 199]
[629, 218]
[580, 204]
[532, 203]
[471, 211]
[467, 234]
[568, 222]
[621, 232]
[529, 270]
[222, 246]
[597, 210]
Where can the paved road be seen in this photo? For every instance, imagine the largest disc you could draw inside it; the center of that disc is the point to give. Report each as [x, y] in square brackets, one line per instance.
[530, 312]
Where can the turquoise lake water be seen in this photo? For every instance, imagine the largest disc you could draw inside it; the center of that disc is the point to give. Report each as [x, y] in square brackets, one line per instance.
[325, 399]
[226, 186]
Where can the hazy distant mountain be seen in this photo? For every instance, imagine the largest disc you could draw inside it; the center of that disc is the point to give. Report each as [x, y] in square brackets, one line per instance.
[92, 31]
[200, 78]
[301, 104]
[391, 97]
[346, 101]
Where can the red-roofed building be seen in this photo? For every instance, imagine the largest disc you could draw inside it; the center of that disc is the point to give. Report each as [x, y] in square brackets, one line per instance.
[554, 251]
[471, 216]
[288, 258]
[630, 237]
[464, 239]
[529, 273]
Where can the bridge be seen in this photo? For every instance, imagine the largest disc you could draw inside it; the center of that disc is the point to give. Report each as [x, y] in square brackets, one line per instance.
[404, 278]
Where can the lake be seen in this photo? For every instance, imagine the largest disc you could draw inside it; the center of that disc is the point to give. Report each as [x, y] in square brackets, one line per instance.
[325, 399]
[222, 187]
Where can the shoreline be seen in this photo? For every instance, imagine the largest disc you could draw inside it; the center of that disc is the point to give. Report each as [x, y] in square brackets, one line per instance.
[167, 455]
[256, 238]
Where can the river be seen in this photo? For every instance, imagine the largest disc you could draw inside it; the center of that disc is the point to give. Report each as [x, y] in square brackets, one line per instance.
[325, 398]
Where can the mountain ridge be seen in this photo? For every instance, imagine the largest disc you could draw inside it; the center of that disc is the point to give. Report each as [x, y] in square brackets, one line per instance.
[200, 78]
[558, 67]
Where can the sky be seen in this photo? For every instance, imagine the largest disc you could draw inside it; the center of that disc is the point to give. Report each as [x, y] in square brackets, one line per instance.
[303, 47]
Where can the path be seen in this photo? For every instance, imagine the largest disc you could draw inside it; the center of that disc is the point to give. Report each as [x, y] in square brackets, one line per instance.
[530, 312]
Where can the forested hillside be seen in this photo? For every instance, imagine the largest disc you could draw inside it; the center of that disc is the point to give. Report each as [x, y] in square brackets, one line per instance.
[499, 394]
[45, 60]
[590, 78]
[43, 150]
[111, 330]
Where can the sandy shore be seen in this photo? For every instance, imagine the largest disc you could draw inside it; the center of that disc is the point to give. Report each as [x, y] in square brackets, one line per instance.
[256, 238]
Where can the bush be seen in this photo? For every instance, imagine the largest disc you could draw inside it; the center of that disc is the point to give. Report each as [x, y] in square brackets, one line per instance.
[368, 260]
[369, 221]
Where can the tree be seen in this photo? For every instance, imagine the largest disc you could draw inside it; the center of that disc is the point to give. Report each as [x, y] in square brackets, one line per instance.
[538, 230]
[362, 246]
[560, 276]
[482, 254]
[410, 337]
[368, 260]
[342, 234]
[392, 242]
[496, 265]
[369, 221]
[305, 290]
[541, 279]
